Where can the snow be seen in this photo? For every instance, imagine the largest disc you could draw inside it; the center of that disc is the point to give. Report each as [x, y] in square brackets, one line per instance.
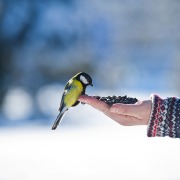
[87, 145]
[98, 152]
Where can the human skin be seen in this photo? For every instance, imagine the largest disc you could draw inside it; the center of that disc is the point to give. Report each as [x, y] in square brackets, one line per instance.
[124, 114]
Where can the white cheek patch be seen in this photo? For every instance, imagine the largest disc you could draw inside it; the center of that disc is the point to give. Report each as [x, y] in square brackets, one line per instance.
[84, 80]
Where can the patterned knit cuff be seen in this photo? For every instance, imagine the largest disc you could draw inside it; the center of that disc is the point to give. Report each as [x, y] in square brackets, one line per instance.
[165, 117]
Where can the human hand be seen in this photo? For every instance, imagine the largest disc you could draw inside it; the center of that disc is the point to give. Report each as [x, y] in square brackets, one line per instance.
[124, 114]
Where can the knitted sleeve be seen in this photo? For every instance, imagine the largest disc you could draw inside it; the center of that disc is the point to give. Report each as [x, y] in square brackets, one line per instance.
[165, 117]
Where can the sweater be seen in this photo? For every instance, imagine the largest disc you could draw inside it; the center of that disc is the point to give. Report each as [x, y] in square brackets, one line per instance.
[165, 117]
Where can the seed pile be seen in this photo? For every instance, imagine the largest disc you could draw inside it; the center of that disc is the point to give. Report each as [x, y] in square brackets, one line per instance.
[110, 100]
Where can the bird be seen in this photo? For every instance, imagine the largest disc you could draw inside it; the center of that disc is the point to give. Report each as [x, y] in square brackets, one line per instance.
[75, 87]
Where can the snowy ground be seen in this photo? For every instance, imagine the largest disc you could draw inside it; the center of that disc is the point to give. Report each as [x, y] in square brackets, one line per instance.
[93, 147]
[110, 152]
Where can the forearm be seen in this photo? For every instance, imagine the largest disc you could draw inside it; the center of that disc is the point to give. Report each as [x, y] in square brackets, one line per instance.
[165, 117]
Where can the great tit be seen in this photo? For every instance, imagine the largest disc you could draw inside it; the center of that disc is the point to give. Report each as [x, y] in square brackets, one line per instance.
[75, 87]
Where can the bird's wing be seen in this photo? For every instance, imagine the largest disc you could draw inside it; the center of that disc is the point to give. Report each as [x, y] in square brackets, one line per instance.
[67, 87]
[62, 102]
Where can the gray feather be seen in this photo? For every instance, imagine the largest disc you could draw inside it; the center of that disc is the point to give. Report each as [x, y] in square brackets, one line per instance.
[58, 120]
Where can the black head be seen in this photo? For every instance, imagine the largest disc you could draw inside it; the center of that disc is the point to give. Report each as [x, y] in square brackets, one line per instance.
[84, 78]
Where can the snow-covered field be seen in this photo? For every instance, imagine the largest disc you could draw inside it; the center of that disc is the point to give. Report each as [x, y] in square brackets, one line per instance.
[92, 147]
[108, 152]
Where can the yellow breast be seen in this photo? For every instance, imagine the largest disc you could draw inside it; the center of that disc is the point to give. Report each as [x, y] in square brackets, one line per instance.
[73, 93]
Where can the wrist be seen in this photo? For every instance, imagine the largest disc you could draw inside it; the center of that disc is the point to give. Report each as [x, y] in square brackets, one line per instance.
[147, 108]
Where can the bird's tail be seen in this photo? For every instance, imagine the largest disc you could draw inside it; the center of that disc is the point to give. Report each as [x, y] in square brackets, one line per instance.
[58, 120]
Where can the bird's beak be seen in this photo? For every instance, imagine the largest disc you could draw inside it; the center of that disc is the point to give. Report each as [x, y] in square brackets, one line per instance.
[91, 84]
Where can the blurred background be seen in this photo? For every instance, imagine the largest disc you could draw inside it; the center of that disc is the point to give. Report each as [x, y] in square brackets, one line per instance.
[128, 47]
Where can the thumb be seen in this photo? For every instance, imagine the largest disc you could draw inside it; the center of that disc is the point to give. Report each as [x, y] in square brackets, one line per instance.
[125, 109]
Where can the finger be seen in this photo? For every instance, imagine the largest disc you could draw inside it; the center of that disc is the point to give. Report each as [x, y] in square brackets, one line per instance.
[83, 98]
[95, 103]
[125, 109]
